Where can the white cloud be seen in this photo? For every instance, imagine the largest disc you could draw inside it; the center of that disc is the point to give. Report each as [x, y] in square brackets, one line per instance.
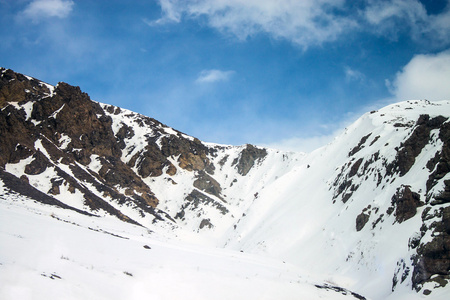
[41, 9]
[171, 13]
[303, 22]
[439, 27]
[378, 12]
[353, 75]
[213, 75]
[310, 22]
[390, 17]
[424, 77]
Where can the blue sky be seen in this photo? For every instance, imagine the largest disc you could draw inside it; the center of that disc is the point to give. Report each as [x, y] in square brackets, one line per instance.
[284, 73]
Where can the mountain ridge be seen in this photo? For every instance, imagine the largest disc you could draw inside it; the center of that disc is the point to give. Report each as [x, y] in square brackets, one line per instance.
[387, 172]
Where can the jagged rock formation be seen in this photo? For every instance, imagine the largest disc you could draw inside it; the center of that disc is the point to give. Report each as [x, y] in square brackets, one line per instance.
[100, 158]
[248, 157]
[384, 180]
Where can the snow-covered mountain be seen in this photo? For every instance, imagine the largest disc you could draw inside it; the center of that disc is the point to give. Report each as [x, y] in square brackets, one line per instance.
[368, 213]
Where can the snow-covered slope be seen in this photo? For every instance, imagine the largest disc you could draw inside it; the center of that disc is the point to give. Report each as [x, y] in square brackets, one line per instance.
[369, 212]
[343, 210]
[49, 253]
[110, 161]
[205, 187]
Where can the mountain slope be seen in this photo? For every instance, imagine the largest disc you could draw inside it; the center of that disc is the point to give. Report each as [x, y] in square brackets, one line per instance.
[107, 160]
[369, 212]
[371, 204]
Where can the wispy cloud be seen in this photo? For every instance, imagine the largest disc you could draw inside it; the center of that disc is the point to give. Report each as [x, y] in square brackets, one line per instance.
[353, 75]
[380, 12]
[171, 13]
[303, 22]
[41, 9]
[310, 22]
[394, 16]
[208, 76]
[424, 77]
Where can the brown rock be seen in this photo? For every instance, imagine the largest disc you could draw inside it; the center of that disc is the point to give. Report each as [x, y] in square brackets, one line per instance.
[406, 203]
[208, 184]
[38, 165]
[361, 221]
[248, 157]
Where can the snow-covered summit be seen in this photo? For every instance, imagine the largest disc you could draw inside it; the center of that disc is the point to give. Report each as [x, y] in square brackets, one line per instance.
[371, 204]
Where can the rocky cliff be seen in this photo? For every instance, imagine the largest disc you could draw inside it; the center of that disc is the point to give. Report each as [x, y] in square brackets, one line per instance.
[106, 160]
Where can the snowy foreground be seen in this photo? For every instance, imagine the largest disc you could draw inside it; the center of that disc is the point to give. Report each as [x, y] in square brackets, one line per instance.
[48, 253]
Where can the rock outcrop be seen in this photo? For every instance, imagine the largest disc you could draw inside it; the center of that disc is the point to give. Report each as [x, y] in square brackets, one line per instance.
[103, 157]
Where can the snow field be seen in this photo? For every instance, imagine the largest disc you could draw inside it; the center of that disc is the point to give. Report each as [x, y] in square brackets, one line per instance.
[49, 253]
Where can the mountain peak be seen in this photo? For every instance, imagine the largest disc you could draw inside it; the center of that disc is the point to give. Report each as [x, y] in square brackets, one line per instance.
[371, 209]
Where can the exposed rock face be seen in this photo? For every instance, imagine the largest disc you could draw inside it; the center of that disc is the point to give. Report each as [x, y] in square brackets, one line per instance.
[249, 156]
[18, 186]
[360, 145]
[15, 87]
[205, 223]
[68, 113]
[39, 164]
[107, 155]
[405, 202]
[152, 162]
[433, 257]
[14, 134]
[361, 221]
[412, 147]
[194, 201]
[355, 167]
[430, 262]
[208, 184]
